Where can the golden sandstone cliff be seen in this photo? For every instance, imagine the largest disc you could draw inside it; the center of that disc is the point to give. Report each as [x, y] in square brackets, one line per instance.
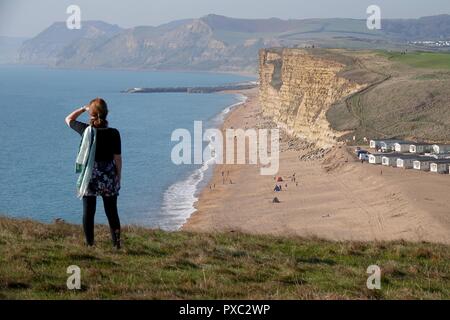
[297, 88]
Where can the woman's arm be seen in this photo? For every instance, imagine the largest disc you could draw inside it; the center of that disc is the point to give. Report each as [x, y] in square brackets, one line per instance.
[75, 114]
[118, 162]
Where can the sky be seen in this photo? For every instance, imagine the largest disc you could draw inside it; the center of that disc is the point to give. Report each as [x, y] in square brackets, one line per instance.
[26, 18]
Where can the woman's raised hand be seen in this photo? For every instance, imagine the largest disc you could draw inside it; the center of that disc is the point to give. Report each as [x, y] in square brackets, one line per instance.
[75, 114]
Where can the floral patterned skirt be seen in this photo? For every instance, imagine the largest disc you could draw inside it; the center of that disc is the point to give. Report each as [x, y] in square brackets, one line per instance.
[104, 181]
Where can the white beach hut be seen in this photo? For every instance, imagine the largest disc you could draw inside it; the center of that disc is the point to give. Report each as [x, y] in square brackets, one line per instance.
[389, 145]
[423, 163]
[440, 166]
[375, 158]
[403, 146]
[420, 147]
[389, 160]
[406, 162]
[375, 144]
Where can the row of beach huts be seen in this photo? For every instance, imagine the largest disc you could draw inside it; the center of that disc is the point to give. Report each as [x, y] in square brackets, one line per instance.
[408, 155]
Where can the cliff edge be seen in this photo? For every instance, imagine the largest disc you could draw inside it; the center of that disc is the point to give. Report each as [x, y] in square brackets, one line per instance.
[298, 86]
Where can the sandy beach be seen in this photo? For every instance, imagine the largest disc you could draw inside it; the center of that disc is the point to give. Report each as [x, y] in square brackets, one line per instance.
[337, 197]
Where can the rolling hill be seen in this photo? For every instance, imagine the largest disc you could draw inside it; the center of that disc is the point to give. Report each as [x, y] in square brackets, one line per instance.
[215, 42]
[410, 101]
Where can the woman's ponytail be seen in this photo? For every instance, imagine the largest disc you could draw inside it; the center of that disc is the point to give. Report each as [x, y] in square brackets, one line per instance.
[99, 112]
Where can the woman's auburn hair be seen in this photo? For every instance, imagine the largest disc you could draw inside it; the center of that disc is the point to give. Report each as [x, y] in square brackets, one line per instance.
[99, 111]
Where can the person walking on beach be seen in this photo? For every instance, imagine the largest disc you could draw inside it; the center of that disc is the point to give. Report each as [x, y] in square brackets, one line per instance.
[99, 163]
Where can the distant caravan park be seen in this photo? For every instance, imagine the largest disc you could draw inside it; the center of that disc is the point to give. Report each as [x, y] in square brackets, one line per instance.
[405, 154]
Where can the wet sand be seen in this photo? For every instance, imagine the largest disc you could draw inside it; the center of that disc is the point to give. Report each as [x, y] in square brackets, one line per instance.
[337, 198]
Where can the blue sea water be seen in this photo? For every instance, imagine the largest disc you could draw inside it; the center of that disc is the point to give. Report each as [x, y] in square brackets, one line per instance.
[38, 149]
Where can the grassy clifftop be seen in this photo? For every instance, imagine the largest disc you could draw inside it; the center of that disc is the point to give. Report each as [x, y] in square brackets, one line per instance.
[178, 265]
[411, 101]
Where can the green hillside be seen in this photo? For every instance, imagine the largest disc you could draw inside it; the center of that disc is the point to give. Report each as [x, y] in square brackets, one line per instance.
[179, 265]
[429, 60]
[409, 99]
[216, 42]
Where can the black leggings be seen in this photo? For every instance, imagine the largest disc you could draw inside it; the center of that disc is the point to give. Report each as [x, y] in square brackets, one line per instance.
[89, 206]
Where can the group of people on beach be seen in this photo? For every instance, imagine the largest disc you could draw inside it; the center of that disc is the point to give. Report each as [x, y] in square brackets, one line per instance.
[225, 178]
[279, 187]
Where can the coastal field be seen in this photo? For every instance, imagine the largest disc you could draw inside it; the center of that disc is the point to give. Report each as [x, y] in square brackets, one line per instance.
[427, 60]
[182, 265]
[408, 99]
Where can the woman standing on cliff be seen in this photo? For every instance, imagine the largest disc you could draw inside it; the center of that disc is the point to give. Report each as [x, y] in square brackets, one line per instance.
[99, 163]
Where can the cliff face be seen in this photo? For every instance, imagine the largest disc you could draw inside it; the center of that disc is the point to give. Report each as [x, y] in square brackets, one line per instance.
[297, 88]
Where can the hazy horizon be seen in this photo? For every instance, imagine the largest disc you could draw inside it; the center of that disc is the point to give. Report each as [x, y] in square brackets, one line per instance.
[15, 15]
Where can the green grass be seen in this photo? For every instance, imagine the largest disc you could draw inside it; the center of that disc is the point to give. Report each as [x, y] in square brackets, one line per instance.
[413, 103]
[428, 60]
[179, 265]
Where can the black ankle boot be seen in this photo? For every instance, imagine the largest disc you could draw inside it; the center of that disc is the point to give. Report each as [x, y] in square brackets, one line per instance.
[116, 238]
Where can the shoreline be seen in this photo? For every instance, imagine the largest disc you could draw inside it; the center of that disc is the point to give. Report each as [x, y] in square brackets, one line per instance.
[251, 96]
[179, 198]
[337, 197]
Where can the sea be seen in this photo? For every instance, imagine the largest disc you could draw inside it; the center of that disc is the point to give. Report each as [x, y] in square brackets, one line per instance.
[38, 150]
